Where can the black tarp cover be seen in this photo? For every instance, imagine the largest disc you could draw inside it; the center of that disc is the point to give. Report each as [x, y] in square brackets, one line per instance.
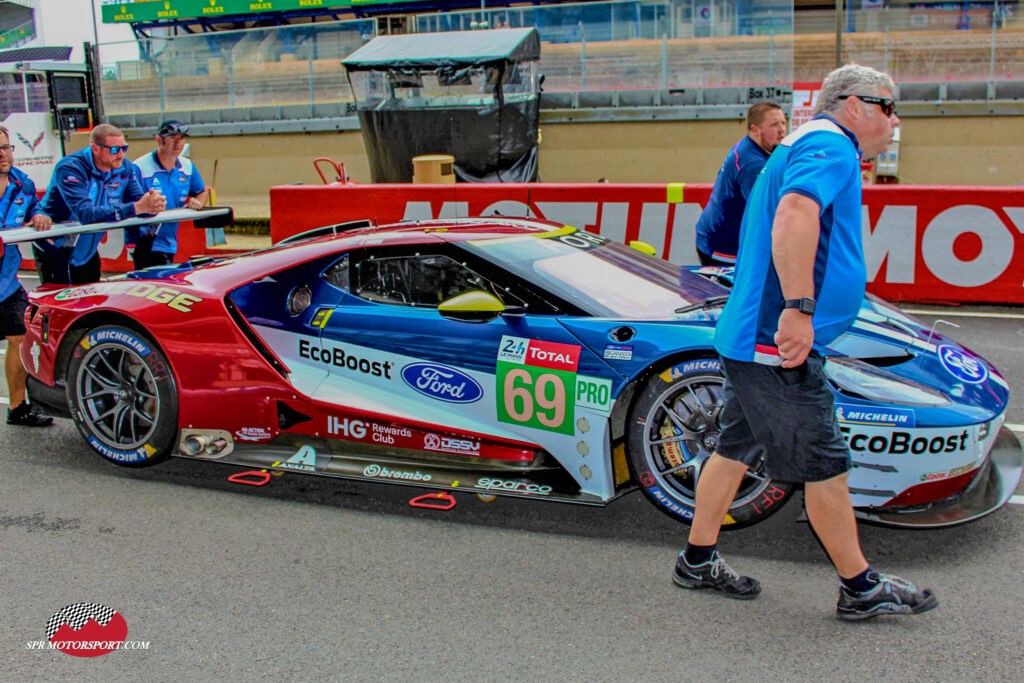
[490, 127]
[453, 48]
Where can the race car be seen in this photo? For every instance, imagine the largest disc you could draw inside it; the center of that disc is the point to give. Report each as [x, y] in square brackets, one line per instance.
[492, 356]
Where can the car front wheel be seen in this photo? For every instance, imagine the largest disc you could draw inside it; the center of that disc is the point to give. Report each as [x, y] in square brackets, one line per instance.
[673, 430]
[122, 396]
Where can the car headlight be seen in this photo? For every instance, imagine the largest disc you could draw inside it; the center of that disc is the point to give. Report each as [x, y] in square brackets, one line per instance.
[857, 378]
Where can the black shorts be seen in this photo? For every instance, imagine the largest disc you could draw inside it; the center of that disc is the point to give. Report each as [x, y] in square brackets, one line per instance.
[12, 314]
[788, 414]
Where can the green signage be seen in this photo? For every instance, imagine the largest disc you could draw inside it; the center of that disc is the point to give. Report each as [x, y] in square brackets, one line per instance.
[158, 10]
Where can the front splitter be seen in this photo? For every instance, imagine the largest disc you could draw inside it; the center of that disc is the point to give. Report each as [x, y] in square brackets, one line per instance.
[987, 492]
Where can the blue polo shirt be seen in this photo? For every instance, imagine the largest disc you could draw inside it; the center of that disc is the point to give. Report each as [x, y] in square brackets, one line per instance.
[718, 229]
[176, 185]
[819, 160]
[80, 192]
[17, 205]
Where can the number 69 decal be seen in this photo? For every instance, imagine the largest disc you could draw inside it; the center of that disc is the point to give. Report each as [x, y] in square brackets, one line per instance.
[544, 398]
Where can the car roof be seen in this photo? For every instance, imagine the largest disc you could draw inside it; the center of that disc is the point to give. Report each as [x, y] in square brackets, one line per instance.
[229, 273]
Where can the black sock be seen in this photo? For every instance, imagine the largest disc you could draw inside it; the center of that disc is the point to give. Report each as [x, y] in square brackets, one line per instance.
[862, 582]
[699, 554]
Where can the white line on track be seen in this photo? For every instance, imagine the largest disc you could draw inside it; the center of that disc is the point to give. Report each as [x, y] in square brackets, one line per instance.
[1018, 500]
[5, 401]
[963, 314]
[1014, 427]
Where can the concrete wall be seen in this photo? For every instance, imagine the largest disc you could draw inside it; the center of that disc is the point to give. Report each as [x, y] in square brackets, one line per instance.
[940, 150]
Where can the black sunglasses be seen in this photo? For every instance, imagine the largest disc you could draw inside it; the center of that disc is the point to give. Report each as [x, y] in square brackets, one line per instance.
[887, 104]
[173, 129]
[113, 149]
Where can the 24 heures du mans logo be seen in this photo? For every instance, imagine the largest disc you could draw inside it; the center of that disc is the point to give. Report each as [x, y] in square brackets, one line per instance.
[87, 629]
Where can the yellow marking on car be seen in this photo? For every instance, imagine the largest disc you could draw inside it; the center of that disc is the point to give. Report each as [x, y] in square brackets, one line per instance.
[674, 193]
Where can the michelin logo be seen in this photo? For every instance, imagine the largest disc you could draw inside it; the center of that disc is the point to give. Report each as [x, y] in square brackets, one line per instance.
[883, 417]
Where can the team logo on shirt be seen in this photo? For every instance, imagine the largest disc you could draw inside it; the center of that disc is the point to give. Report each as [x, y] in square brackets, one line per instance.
[71, 180]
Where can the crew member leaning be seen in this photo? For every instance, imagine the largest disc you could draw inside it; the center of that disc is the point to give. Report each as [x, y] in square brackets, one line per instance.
[177, 178]
[93, 185]
[800, 280]
[718, 229]
[18, 206]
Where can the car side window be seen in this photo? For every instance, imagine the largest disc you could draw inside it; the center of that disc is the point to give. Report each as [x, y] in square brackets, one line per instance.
[337, 274]
[424, 280]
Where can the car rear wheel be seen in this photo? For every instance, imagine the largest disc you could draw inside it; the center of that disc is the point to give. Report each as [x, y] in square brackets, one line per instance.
[122, 396]
[674, 429]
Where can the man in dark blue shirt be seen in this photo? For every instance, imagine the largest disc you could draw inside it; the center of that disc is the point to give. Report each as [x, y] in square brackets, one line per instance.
[799, 284]
[18, 206]
[93, 185]
[718, 228]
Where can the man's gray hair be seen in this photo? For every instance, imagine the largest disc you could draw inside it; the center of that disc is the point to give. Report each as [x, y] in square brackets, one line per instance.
[852, 79]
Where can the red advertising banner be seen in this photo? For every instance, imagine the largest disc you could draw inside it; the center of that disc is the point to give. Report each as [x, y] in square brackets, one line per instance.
[921, 243]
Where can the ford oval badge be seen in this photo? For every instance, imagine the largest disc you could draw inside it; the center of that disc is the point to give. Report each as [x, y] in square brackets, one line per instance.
[442, 382]
[962, 366]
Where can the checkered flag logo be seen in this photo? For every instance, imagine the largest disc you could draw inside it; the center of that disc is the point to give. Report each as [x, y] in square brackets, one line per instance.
[77, 615]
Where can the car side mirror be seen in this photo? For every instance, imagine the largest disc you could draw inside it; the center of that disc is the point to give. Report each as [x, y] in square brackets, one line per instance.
[472, 307]
[643, 248]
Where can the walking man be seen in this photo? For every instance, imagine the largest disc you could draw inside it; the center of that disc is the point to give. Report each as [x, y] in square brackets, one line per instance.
[800, 281]
[718, 229]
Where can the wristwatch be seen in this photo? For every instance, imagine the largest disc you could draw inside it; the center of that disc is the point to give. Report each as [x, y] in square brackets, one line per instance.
[804, 305]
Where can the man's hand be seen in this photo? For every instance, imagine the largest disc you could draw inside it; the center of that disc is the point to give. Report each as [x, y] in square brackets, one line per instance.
[151, 202]
[794, 337]
[193, 203]
[41, 222]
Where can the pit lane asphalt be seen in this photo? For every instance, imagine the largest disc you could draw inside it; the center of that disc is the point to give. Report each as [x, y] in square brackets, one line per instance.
[318, 579]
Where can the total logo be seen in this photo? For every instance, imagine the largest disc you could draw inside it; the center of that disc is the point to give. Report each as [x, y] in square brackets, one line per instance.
[446, 444]
[490, 484]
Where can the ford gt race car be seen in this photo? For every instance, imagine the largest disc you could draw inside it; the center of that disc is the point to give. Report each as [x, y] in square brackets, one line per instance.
[492, 356]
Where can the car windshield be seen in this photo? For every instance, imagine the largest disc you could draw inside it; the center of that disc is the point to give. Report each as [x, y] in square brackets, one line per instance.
[602, 277]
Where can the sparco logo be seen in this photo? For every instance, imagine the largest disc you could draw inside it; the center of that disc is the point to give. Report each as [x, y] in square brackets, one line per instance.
[514, 486]
[442, 382]
[339, 358]
[380, 471]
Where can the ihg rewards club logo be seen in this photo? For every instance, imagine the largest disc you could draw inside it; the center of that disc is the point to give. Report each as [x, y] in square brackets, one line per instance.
[86, 629]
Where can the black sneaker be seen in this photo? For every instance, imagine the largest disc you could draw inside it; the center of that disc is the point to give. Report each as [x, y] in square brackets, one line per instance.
[715, 573]
[892, 595]
[26, 416]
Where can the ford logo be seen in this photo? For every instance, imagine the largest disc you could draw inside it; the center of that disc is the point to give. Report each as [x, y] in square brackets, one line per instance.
[442, 382]
[962, 366]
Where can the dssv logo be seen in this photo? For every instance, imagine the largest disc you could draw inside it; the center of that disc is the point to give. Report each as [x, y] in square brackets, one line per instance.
[442, 382]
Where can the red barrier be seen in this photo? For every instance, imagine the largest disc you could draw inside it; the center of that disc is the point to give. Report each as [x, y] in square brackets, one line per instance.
[114, 257]
[922, 243]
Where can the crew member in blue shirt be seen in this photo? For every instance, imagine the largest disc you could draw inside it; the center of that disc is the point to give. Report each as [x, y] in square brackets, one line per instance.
[18, 205]
[177, 178]
[93, 185]
[718, 229]
[800, 281]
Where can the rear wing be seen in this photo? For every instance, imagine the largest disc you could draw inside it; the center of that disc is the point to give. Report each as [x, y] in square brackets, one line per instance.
[211, 217]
